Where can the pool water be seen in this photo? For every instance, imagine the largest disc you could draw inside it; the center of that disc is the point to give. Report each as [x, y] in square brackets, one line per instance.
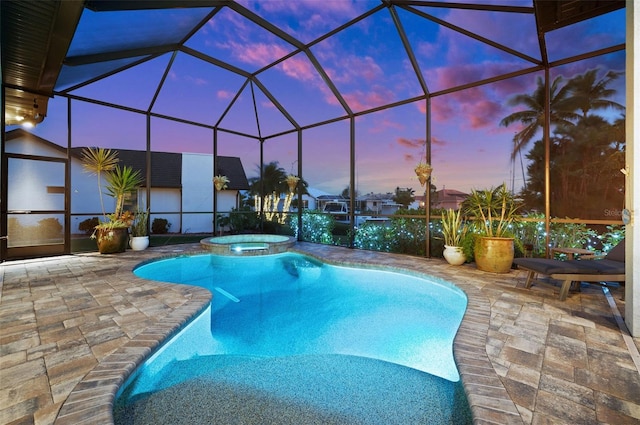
[280, 321]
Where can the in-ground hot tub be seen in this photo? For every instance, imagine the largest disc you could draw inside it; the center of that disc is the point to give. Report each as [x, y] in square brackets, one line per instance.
[248, 244]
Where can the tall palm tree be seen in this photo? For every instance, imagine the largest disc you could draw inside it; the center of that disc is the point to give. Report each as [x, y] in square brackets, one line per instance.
[273, 180]
[97, 161]
[591, 94]
[561, 111]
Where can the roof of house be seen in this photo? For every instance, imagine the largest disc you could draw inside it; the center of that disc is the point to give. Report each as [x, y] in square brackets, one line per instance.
[450, 194]
[18, 133]
[166, 168]
[231, 167]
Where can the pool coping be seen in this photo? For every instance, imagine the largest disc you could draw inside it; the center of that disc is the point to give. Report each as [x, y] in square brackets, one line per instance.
[230, 242]
[92, 399]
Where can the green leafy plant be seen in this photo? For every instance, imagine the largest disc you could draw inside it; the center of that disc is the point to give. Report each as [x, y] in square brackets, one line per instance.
[140, 222]
[495, 210]
[243, 219]
[87, 226]
[97, 161]
[530, 231]
[120, 181]
[454, 228]
[316, 227]
[160, 226]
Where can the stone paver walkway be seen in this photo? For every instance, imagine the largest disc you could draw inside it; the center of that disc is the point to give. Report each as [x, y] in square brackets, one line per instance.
[72, 328]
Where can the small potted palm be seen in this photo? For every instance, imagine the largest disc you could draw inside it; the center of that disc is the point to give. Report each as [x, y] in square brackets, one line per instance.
[112, 232]
[139, 231]
[112, 235]
[454, 230]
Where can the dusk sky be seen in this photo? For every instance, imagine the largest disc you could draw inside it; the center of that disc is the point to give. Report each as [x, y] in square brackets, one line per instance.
[366, 62]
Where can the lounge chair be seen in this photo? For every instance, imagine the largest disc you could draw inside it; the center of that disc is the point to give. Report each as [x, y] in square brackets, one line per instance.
[609, 269]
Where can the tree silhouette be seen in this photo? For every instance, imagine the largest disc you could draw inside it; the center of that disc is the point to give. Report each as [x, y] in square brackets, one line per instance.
[404, 197]
[270, 188]
[590, 94]
[587, 151]
[562, 109]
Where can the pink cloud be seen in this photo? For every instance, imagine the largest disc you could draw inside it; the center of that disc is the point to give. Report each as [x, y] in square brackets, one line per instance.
[260, 54]
[481, 106]
[298, 68]
[472, 112]
[410, 143]
[188, 78]
[483, 113]
[408, 157]
[268, 104]
[435, 141]
[355, 68]
[224, 94]
[359, 100]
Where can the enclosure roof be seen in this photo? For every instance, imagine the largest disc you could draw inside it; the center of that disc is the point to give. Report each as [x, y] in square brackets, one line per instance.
[254, 48]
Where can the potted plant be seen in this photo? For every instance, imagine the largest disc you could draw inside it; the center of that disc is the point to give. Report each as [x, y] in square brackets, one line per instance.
[112, 232]
[423, 171]
[495, 210]
[112, 235]
[139, 231]
[292, 181]
[220, 182]
[454, 231]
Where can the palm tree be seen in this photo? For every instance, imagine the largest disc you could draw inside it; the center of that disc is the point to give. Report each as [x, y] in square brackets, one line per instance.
[271, 178]
[271, 186]
[120, 182]
[590, 94]
[404, 197]
[561, 111]
[97, 161]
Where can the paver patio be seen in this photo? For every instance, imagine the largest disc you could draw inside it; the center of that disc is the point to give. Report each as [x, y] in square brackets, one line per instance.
[73, 327]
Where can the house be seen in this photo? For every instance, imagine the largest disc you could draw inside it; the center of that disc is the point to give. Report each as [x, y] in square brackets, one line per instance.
[181, 184]
[449, 198]
[378, 203]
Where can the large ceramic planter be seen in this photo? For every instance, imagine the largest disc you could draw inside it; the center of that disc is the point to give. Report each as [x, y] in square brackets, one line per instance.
[454, 255]
[139, 243]
[494, 254]
[111, 241]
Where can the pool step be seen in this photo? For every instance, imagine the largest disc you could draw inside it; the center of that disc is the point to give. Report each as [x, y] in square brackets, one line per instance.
[297, 266]
[227, 294]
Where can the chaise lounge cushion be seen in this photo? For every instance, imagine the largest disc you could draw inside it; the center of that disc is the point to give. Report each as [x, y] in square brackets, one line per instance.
[549, 266]
[612, 263]
[617, 252]
[611, 268]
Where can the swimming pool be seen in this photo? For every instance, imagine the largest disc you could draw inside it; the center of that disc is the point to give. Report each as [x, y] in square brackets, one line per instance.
[275, 313]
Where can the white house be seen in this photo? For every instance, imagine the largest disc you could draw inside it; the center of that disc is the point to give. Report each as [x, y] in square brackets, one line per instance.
[181, 184]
